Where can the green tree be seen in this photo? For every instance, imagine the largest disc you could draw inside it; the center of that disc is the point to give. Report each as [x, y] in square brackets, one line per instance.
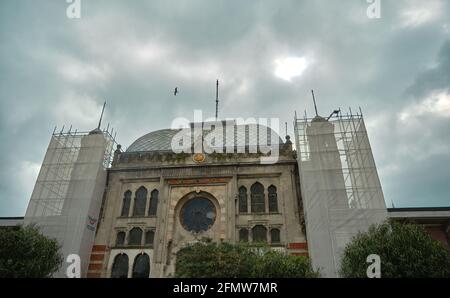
[225, 260]
[25, 252]
[405, 250]
[275, 264]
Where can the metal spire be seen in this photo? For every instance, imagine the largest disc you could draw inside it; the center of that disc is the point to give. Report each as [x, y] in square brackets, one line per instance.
[314, 100]
[217, 99]
[101, 116]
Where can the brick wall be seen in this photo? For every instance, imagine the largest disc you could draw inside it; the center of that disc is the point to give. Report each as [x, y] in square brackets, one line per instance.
[96, 261]
[298, 249]
[438, 233]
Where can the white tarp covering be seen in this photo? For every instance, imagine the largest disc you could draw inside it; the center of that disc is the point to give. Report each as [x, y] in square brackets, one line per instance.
[340, 187]
[67, 196]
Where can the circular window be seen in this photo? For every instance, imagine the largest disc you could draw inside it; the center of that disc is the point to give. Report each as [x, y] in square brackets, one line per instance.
[198, 215]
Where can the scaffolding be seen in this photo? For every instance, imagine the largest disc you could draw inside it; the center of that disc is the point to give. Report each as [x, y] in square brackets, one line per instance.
[340, 186]
[66, 198]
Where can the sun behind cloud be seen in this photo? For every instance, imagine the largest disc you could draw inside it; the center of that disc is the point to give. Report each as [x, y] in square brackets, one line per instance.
[289, 67]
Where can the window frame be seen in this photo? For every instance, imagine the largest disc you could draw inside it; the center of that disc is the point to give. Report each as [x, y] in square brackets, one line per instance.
[130, 235]
[126, 203]
[153, 205]
[242, 200]
[273, 198]
[141, 198]
[125, 272]
[124, 238]
[136, 259]
[271, 235]
[266, 240]
[247, 240]
[257, 198]
[152, 243]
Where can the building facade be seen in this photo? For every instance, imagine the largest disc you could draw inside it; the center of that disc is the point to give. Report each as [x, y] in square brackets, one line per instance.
[156, 202]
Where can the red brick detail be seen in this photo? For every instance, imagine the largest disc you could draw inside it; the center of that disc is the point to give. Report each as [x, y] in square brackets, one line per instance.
[93, 275]
[97, 257]
[298, 245]
[438, 233]
[100, 248]
[93, 267]
[197, 181]
[304, 254]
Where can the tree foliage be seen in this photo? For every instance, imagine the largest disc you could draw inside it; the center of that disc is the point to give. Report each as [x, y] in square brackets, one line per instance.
[25, 252]
[225, 260]
[405, 250]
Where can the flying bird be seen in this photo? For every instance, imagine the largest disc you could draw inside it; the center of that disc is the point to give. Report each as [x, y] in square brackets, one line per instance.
[175, 92]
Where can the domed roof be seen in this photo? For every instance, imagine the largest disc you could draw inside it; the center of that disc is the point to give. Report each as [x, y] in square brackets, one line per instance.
[244, 135]
[159, 140]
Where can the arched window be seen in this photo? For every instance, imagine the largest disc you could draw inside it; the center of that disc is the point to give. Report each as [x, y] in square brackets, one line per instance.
[135, 236]
[153, 203]
[140, 201]
[273, 201]
[141, 267]
[259, 233]
[275, 236]
[120, 238]
[243, 235]
[120, 266]
[243, 200]
[126, 204]
[257, 197]
[149, 237]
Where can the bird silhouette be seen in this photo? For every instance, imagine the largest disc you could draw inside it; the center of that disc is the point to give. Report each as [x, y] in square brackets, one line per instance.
[175, 92]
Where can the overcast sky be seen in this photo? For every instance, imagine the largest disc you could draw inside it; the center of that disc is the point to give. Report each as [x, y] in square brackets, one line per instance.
[268, 55]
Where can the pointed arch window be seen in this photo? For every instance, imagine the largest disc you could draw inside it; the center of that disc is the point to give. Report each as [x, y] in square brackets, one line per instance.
[273, 200]
[243, 235]
[153, 203]
[149, 237]
[243, 208]
[257, 198]
[135, 236]
[275, 236]
[140, 201]
[120, 238]
[141, 266]
[120, 266]
[126, 204]
[259, 233]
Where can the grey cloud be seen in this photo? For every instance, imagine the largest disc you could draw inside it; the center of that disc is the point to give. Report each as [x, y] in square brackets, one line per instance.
[437, 77]
[375, 64]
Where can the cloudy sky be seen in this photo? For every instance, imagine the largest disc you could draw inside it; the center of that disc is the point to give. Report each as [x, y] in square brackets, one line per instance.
[268, 55]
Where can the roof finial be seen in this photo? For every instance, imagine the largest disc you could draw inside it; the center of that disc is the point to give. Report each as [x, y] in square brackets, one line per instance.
[101, 116]
[314, 100]
[217, 99]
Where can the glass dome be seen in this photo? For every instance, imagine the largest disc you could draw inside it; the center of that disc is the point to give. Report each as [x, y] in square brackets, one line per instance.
[243, 135]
